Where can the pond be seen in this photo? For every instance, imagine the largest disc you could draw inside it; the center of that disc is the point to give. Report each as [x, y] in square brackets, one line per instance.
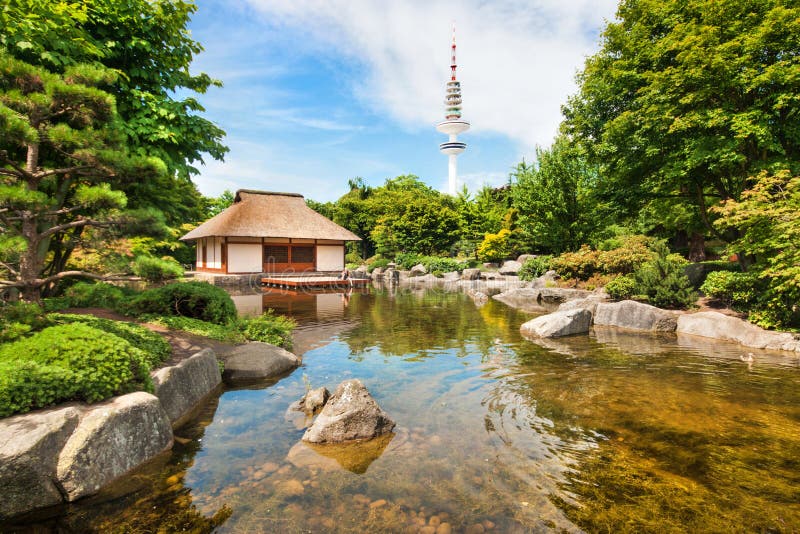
[606, 432]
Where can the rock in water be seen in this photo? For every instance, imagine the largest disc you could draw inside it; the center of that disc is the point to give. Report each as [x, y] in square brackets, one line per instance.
[256, 360]
[350, 414]
[314, 400]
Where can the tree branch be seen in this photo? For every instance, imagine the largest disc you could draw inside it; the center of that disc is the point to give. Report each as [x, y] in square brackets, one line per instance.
[21, 170]
[69, 274]
[73, 224]
[9, 268]
[66, 170]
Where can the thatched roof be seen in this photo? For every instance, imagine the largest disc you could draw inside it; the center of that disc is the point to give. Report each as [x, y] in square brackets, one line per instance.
[267, 214]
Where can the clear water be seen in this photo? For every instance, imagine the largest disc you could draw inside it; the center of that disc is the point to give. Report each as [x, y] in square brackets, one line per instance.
[607, 433]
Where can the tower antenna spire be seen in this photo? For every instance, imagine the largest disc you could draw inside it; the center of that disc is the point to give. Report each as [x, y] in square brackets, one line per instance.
[453, 123]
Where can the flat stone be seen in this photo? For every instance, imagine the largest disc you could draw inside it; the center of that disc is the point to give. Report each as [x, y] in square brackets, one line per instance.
[635, 316]
[181, 387]
[112, 438]
[350, 414]
[29, 447]
[588, 303]
[559, 324]
[256, 360]
[719, 326]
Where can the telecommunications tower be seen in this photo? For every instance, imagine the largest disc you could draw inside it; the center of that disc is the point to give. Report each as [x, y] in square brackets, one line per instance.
[453, 123]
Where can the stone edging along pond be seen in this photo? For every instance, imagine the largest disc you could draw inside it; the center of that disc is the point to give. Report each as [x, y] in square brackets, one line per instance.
[578, 312]
[59, 455]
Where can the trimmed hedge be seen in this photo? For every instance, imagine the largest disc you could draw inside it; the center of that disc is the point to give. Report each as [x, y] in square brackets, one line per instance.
[155, 269]
[70, 361]
[154, 346]
[97, 295]
[198, 300]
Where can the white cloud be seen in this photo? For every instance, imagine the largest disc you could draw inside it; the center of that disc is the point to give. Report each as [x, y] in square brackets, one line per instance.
[517, 59]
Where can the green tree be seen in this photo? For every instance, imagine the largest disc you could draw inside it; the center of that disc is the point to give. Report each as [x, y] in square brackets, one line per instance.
[768, 219]
[215, 205]
[689, 99]
[555, 198]
[60, 151]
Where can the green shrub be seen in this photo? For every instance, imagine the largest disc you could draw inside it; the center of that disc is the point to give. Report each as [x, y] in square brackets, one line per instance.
[380, 262]
[442, 265]
[406, 260]
[663, 281]
[534, 267]
[269, 328]
[228, 332]
[18, 319]
[155, 269]
[68, 361]
[737, 290]
[154, 346]
[622, 287]
[494, 247]
[97, 295]
[580, 264]
[632, 253]
[198, 300]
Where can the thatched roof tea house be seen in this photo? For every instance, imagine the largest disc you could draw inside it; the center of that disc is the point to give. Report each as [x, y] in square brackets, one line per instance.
[264, 232]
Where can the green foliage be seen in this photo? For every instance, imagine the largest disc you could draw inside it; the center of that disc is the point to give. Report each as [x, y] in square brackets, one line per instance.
[663, 281]
[380, 262]
[97, 295]
[65, 362]
[534, 267]
[622, 255]
[269, 328]
[579, 265]
[622, 287]
[215, 205]
[198, 300]
[20, 318]
[157, 269]
[155, 347]
[737, 290]
[220, 332]
[554, 197]
[768, 220]
[688, 101]
[494, 247]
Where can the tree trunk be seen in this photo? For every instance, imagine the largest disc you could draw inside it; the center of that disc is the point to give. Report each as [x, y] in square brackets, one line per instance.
[697, 247]
[30, 262]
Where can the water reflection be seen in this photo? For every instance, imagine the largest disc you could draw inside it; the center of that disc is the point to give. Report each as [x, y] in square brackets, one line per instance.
[607, 432]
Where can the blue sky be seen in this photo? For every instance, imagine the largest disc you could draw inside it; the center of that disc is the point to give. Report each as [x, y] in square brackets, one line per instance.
[317, 92]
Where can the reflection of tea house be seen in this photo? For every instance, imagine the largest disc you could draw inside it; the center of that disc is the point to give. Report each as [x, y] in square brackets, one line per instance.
[263, 232]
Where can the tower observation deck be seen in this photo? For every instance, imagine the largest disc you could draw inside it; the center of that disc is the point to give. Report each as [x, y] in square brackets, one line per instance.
[453, 123]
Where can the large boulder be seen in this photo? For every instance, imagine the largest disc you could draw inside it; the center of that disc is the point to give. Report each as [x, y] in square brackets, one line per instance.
[557, 295]
[719, 326]
[418, 270]
[548, 279]
[510, 267]
[181, 387]
[559, 324]
[522, 258]
[29, 446]
[587, 303]
[112, 438]
[256, 361]
[350, 414]
[523, 298]
[635, 316]
[471, 274]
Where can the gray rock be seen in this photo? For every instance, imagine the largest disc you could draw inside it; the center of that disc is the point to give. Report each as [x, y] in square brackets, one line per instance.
[256, 360]
[587, 303]
[471, 274]
[635, 316]
[314, 400]
[451, 276]
[557, 295]
[181, 387]
[510, 267]
[112, 438]
[29, 446]
[525, 257]
[377, 273]
[361, 269]
[350, 414]
[548, 279]
[425, 279]
[418, 270]
[558, 324]
[718, 326]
